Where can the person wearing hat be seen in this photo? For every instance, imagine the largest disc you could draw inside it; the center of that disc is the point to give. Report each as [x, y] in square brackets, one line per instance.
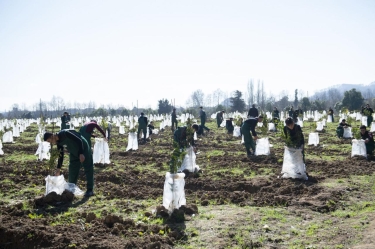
[219, 118]
[79, 155]
[142, 125]
[369, 140]
[174, 119]
[248, 129]
[65, 119]
[341, 127]
[87, 130]
[202, 115]
[253, 112]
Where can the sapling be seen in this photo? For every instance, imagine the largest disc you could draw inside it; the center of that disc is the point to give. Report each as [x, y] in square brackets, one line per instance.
[264, 127]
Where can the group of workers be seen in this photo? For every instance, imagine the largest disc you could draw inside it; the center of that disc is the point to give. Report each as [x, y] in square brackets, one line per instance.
[79, 143]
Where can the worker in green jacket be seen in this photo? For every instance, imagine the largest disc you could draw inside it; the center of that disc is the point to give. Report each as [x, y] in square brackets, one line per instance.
[79, 155]
[142, 125]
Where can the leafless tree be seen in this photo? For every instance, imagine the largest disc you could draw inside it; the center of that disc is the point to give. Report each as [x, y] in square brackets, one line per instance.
[197, 98]
[217, 95]
[250, 92]
[208, 100]
[257, 95]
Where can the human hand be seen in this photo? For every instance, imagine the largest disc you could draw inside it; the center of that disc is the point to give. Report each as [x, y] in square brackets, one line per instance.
[81, 158]
[255, 138]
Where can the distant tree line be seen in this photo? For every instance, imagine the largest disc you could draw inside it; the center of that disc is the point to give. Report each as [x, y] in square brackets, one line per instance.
[216, 101]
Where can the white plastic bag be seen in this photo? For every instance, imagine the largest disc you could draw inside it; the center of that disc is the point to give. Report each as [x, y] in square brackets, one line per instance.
[16, 131]
[236, 131]
[43, 151]
[242, 140]
[101, 151]
[329, 119]
[313, 138]
[1, 149]
[121, 130]
[364, 120]
[271, 127]
[58, 184]
[38, 138]
[195, 136]
[359, 148]
[293, 166]
[262, 147]
[8, 137]
[174, 192]
[132, 141]
[155, 131]
[372, 129]
[348, 132]
[189, 161]
[319, 126]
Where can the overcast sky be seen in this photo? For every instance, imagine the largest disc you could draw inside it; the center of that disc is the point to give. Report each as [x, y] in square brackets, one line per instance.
[118, 52]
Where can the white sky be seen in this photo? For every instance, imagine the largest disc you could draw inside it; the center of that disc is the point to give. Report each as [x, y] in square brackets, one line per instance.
[118, 52]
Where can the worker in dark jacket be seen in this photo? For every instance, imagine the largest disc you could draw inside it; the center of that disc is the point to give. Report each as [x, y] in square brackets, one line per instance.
[341, 127]
[330, 113]
[151, 127]
[247, 127]
[174, 119]
[79, 155]
[202, 115]
[65, 119]
[276, 113]
[253, 112]
[229, 125]
[142, 125]
[291, 111]
[180, 136]
[368, 111]
[293, 136]
[369, 140]
[87, 131]
[219, 118]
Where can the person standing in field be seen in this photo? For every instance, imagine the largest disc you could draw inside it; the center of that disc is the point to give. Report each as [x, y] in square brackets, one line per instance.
[253, 112]
[174, 119]
[368, 111]
[79, 155]
[330, 113]
[142, 125]
[65, 119]
[87, 131]
[202, 115]
[249, 134]
[219, 118]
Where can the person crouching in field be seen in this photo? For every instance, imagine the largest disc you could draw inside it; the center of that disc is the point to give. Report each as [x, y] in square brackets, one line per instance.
[341, 127]
[79, 155]
[369, 140]
[293, 136]
[247, 127]
[180, 135]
